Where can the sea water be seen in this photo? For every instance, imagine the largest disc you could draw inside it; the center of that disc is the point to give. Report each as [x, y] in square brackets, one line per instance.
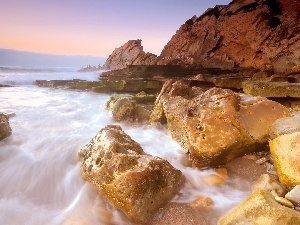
[40, 181]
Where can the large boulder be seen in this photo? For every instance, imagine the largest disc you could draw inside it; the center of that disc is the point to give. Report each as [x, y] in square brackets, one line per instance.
[133, 181]
[245, 33]
[216, 126]
[285, 150]
[261, 208]
[131, 53]
[5, 129]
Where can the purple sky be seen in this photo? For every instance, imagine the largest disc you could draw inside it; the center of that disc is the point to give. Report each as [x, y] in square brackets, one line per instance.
[93, 27]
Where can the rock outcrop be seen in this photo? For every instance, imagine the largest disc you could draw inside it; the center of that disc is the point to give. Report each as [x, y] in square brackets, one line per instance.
[105, 86]
[215, 126]
[133, 181]
[285, 150]
[272, 89]
[260, 34]
[131, 53]
[5, 129]
[261, 208]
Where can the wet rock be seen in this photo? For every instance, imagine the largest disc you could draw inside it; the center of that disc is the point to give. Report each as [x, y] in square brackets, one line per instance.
[284, 201]
[127, 110]
[131, 53]
[222, 171]
[155, 72]
[131, 108]
[285, 150]
[202, 202]
[214, 180]
[54, 83]
[272, 89]
[128, 86]
[215, 127]
[133, 181]
[257, 114]
[104, 86]
[285, 125]
[294, 194]
[179, 214]
[267, 183]
[246, 169]
[261, 208]
[5, 129]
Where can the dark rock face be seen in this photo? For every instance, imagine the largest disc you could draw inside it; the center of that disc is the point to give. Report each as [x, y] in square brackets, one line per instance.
[5, 129]
[215, 126]
[246, 33]
[133, 181]
[151, 71]
[131, 53]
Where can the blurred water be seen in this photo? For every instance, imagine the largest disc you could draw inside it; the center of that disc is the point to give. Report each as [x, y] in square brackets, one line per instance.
[40, 180]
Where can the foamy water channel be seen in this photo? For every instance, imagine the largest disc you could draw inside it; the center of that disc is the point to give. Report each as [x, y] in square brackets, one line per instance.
[39, 169]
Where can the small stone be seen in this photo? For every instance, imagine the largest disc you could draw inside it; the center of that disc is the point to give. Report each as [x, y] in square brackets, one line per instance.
[202, 202]
[294, 194]
[284, 201]
[214, 180]
[222, 171]
[251, 156]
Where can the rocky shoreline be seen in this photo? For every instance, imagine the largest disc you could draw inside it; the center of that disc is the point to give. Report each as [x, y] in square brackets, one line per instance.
[228, 96]
[268, 123]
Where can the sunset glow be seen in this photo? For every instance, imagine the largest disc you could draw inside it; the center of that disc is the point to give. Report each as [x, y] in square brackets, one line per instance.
[93, 27]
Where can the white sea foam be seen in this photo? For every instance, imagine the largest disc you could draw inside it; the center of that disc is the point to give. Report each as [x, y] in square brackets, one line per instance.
[40, 179]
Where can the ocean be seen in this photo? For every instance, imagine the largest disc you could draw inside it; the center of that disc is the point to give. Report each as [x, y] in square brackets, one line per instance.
[40, 182]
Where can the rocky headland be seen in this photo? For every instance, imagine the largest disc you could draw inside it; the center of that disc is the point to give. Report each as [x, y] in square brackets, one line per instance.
[90, 68]
[131, 53]
[261, 34]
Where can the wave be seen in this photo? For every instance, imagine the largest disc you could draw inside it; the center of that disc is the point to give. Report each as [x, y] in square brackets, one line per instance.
[19, 76]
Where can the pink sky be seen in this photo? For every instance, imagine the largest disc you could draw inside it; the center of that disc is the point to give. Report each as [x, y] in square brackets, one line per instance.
[93, 27]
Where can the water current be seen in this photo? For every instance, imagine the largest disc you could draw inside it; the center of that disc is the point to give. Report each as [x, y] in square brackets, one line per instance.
[40, 182]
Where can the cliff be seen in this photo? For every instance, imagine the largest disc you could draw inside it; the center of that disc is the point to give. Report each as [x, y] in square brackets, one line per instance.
[261, 34]
[131, 53]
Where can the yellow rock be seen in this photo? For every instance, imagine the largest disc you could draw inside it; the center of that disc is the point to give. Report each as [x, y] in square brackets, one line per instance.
[284, 201]
[251, 156]
[118, 168]
[260, 208]
[202, 202]
[296, 69]
[222, 171]
[285, 150]
[214, 180]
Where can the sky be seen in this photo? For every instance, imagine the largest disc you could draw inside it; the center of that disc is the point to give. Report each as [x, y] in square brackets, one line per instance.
[93, 27]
